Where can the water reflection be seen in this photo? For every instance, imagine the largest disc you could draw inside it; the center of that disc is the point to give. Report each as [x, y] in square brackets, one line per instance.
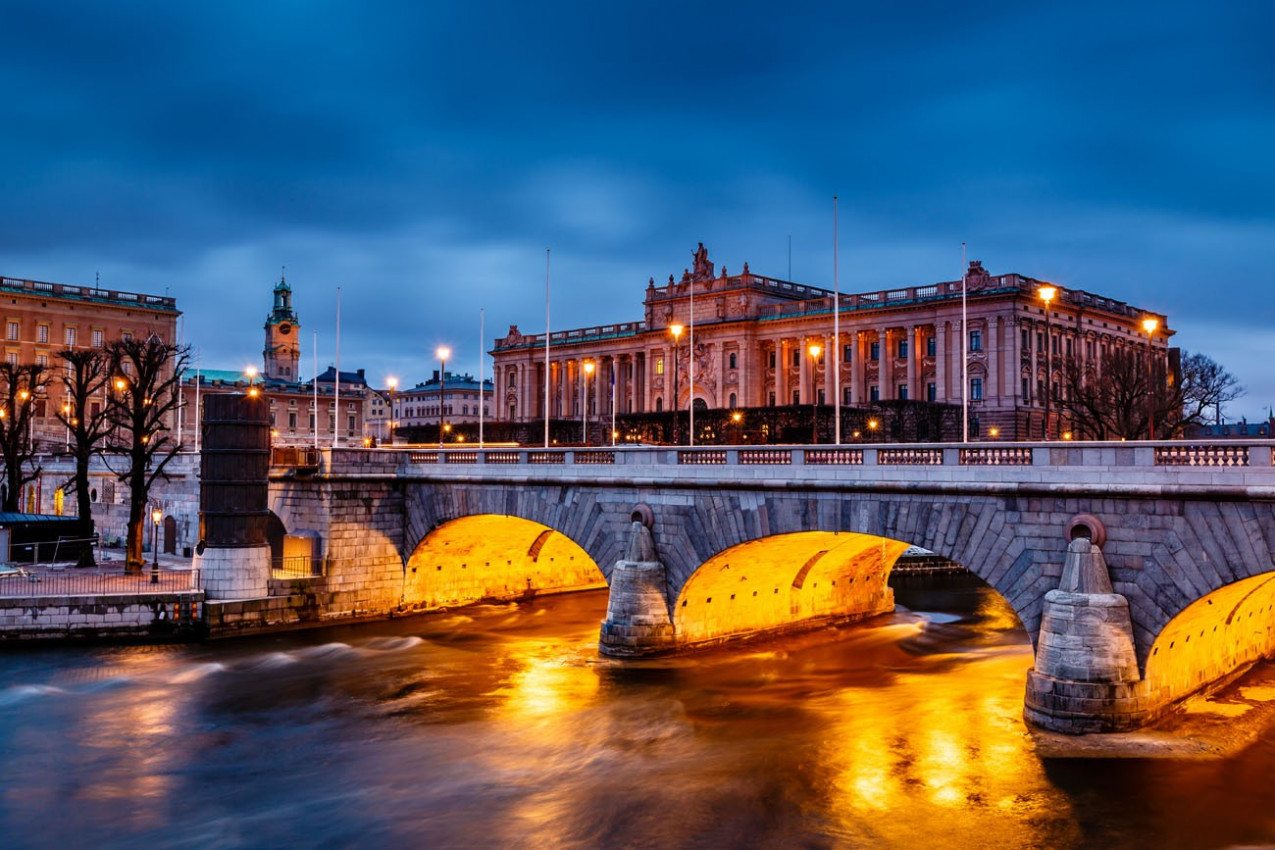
[502, 726]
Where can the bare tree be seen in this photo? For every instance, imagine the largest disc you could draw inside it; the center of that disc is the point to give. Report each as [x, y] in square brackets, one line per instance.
[1205, 388]
[147, 376]
[85, 414]
[19, 387]
[1123, 399]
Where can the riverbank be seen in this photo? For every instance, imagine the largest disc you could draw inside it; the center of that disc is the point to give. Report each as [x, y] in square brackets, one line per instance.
[1214, 726]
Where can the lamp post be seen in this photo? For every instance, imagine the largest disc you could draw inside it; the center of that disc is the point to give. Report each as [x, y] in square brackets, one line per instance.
[815, 349]
[584, 400]
[443, 353]
[1047, 294]
[736, 418]
[392, 383]
[156, 516]
[66, 414]
[676, 331]
[1149, 325]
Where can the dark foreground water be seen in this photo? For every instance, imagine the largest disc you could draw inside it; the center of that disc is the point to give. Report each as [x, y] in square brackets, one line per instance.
[501, 727]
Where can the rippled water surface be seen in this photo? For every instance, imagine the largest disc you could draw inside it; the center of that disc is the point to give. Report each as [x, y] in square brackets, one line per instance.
[501, 726]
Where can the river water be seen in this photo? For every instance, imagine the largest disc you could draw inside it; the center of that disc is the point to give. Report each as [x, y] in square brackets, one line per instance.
[500, 726]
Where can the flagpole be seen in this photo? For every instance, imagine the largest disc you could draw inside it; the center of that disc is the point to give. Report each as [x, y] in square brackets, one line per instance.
[336, 391]
[836, 327]
[546, 348]
[198, 381]
[315, 381]
[482, 402]
[965, 356]
[690, 384]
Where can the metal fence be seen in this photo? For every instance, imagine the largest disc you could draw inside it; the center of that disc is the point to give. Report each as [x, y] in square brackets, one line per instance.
[31, 581]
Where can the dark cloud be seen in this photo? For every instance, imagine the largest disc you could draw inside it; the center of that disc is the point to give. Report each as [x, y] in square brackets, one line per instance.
[422, 156]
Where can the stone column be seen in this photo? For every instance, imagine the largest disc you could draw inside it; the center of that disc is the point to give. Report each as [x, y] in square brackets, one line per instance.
[885, 365]
[781, 372]
[913, 336]
[1086, 676]
[990, 393]
[858, 368]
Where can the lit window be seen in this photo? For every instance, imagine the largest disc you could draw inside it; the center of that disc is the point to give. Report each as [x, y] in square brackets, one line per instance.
[659, 365]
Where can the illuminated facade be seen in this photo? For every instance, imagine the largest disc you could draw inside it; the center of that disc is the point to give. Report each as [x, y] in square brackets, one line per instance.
[461, 396]
[42, 319]
[753, 339]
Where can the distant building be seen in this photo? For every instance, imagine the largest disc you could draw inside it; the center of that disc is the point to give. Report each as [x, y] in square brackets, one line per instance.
[302, 412]
[460, 395]
[755, 337]
[1237, 430]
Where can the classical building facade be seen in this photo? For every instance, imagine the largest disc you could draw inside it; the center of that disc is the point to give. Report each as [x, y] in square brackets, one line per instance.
[754, 341]
[43, 318]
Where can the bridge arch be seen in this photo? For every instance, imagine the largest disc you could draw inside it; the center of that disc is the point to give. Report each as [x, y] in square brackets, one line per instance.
[783, 581]
[491, 556]
[1211, 638]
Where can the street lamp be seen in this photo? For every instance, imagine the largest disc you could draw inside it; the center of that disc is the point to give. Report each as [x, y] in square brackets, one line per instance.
[1047, 294]
[251, 374]
[66, 414]
[1149, 325]
[736, 418]
[676, 331]
[873, 425]
[815, 349]
[392, 383]
[156, 516]
[584, 400]
[443, 353]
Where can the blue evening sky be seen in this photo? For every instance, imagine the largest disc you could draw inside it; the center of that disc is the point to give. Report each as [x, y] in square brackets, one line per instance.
[422, 156]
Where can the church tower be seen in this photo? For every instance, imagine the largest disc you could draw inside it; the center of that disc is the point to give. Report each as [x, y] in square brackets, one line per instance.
[282, 353]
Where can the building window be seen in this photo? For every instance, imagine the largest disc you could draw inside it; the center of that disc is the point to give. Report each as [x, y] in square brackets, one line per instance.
[903, 349]
[11, 357]
[931, 392]
[70, 337]
[772, 400]
[42, 334]
[42, 360]
[350, 423]
[821, 398]
[976, 389]
[975, 427]
[292, 421]
[13, 330]
[931, 346]
[976, 340]
[1040, 341]
[796, 357]
[732, 364]
[847, 396]
[97, 337]
[771, 360]
[659, 404]
[903, 392]
[874, 393]
[875, 353]
[1027, 395]
[1027, 340]
[846, 351]
[659, 365]
[732, 400]
[796, 397]
[311, 425]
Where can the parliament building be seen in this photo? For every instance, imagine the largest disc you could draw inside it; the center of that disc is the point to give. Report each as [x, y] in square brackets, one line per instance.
[762, 342]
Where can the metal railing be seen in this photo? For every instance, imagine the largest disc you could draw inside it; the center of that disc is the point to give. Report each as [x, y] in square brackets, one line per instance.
[296, 566]
[20, 581]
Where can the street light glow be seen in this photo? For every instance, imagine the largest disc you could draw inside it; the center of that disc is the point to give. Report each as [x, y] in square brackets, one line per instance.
[444, 352]
[1047, 293]
[1149, 325]
[676, 331]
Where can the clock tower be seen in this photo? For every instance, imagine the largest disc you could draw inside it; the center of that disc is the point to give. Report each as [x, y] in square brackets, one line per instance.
[282, 353]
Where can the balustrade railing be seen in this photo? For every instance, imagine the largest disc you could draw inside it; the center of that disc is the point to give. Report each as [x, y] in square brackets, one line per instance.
[834, 457]
[1201, 455]
[997, 456]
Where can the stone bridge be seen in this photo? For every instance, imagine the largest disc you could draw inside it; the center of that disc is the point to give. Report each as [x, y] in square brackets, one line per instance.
[1142, 572]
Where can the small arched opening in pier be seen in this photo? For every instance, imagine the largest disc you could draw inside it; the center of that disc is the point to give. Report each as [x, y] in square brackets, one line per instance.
[1213, 637]
[494, 557]
[786, 582]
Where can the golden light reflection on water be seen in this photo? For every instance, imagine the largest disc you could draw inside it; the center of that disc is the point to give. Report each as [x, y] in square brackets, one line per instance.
[950, 746]
[545, 686]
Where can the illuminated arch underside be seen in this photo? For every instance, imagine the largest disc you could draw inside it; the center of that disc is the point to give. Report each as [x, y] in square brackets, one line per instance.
[495, 557]
[786, 580]
[1213, 637]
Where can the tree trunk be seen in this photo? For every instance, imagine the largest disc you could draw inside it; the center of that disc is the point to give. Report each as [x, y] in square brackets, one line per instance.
[135, 551]
[84, 508]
